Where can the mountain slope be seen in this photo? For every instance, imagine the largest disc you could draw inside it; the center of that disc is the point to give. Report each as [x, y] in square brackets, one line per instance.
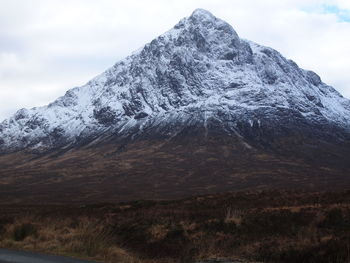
[197, 101]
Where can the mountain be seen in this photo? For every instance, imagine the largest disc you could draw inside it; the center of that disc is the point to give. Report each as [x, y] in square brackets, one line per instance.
[197, 110]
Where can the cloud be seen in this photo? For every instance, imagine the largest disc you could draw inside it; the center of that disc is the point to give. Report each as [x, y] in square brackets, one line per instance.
[47, 47]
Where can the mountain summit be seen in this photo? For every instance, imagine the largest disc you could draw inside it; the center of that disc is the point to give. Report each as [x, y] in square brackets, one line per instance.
[191, 95]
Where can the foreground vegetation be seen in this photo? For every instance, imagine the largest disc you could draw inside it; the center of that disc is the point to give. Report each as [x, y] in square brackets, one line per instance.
[256, 226]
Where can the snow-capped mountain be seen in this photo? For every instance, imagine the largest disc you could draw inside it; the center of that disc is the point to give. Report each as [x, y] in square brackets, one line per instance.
[198, 110]
[200, 72]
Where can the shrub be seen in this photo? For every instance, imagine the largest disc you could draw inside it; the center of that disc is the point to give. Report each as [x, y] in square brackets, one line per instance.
[219, 226]
[24, 230]
[336, 219]
[94, 239]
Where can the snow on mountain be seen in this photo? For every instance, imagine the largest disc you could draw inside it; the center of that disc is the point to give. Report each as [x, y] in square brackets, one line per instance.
[198, 70]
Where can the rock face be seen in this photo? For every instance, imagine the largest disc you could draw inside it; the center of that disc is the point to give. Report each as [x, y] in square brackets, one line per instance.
[197, 110]
[198, 72]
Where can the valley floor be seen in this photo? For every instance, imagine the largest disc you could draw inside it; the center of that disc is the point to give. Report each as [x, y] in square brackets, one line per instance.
[270, 226]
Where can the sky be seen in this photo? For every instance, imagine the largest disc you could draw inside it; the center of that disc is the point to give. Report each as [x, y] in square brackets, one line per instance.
[50, 46]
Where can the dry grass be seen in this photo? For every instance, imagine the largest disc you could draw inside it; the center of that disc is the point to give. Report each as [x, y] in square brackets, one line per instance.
[81, 237]
[234, 216]
[257, 226]
[113, 171]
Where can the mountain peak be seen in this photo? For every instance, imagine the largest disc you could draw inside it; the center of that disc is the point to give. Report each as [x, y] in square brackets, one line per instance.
[204, 19]
[202, 14]
[210, 35]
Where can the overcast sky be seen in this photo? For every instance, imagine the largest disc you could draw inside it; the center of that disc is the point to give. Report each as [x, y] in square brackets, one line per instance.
[50, 46]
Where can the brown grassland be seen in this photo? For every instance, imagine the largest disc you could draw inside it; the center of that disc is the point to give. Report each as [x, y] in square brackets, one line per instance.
[264, 226]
